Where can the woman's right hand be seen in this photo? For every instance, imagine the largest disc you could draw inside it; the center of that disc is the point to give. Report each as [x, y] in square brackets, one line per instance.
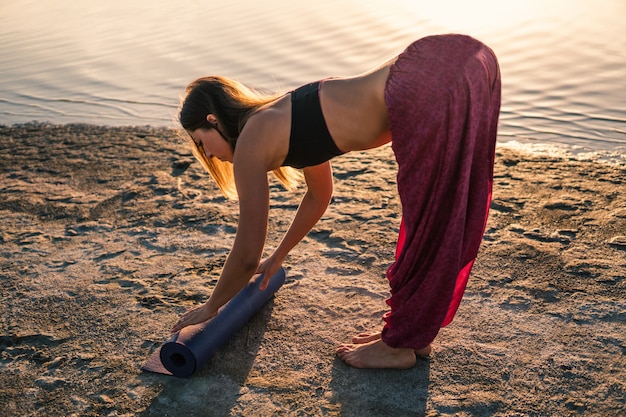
[195, 315]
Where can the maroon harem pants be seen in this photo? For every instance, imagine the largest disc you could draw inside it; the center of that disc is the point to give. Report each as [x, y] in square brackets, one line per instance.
[443, 102]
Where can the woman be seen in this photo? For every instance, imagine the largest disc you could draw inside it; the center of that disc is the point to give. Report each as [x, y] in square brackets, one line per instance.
[438, 103]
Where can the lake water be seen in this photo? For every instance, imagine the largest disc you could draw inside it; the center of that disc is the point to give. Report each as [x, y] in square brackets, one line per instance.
[126, 62]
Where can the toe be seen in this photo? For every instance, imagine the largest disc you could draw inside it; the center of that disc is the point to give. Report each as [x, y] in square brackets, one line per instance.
[344, 348]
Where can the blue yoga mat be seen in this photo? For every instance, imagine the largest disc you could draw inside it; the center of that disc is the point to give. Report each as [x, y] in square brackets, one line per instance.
[192, 347]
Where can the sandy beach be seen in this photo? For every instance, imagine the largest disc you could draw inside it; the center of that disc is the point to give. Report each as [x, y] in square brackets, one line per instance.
[108, 234]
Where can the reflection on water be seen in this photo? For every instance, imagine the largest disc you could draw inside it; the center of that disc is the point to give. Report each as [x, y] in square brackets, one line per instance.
[126, 61]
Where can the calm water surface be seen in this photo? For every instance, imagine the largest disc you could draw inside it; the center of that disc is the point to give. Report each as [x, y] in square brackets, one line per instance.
[126, 62]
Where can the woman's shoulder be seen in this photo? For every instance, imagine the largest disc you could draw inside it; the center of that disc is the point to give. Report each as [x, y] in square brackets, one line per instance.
[276, 112]
[266, 133]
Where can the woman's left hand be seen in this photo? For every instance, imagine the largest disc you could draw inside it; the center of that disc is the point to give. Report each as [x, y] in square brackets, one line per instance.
[197, 314]
[268, 267]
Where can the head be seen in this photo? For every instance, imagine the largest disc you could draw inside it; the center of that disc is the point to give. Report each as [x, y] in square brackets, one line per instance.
[221, 104]
[230, 102]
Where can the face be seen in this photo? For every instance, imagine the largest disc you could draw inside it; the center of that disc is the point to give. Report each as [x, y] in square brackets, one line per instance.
[213, 144]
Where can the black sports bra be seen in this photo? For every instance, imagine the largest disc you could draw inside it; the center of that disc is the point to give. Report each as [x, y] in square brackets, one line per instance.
[310, 142]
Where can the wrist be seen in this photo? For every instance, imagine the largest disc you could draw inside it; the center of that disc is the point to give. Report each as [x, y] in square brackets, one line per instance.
[210, 309]
[280, 253]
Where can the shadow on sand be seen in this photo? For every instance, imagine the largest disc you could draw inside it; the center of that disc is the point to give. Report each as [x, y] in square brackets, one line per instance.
[217, 386]
[381, 392]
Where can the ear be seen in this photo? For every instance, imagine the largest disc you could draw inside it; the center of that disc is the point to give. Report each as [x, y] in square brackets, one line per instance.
[211, 119]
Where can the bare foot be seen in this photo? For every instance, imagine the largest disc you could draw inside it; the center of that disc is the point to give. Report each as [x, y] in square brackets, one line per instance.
[376, 354]
[423, 351]
[371, 336]
[366, 337]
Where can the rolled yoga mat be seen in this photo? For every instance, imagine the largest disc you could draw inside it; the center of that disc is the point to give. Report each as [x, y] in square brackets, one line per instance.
[192, 347]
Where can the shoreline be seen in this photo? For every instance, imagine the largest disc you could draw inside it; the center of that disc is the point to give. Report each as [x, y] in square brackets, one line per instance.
[108, 233]
[591, 151]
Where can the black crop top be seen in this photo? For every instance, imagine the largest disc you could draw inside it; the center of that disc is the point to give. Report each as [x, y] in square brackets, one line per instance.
[310, 142]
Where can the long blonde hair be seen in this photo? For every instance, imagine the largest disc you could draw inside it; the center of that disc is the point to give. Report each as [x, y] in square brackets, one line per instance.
[233, 104]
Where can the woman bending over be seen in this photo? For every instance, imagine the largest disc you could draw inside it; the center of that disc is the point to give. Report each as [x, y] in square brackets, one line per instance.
[437, 103]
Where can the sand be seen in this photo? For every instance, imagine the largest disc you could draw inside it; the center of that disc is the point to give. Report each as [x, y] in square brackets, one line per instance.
[108, 234]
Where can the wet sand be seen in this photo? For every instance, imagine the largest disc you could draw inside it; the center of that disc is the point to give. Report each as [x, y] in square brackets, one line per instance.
[108, 234]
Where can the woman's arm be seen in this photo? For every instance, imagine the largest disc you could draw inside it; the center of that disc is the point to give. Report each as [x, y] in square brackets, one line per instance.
[319, 181]
[243, 260]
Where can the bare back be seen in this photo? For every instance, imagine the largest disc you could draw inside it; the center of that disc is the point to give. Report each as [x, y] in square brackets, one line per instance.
[355, 111]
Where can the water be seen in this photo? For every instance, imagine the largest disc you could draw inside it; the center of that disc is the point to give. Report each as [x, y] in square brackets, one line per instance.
[126, 62]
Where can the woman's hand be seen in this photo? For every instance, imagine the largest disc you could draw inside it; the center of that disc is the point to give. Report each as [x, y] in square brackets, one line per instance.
[197, 314]
[269, 267]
